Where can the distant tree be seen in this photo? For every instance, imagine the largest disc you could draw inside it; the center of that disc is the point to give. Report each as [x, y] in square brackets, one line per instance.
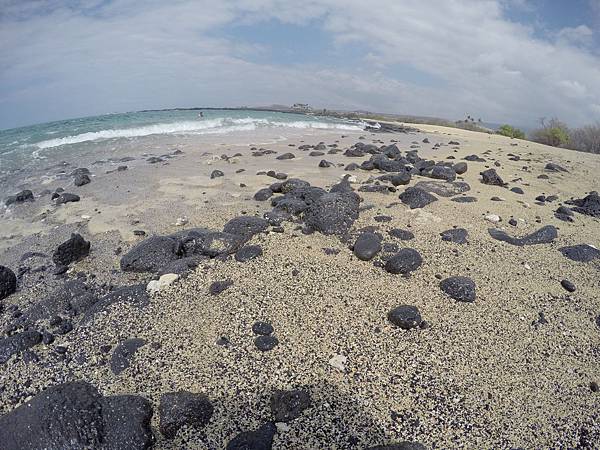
[552, 132]
[511, 132]
[585, 139]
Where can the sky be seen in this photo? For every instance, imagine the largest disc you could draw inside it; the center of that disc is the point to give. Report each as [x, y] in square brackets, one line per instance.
[504, 61]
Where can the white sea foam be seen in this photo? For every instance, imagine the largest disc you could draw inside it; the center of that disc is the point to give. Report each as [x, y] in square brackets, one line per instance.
[209, 126]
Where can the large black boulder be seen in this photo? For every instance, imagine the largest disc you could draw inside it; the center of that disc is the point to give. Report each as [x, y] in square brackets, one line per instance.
[8, 282]
[415, 197]
[333, 213]
[405, 261]
[75, 416]
[72, 250]
[178, 409]
[150, 255]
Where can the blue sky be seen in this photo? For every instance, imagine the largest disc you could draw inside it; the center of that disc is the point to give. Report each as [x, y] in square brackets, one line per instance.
[511, 61]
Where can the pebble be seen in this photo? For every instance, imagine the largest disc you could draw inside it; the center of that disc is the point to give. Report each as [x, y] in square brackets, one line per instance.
[461, 289]
[405, 261]
[266, 343]
[405, 317]
[338, 362]
[163, 282]
[262, 328]
[494, 218]
[569, 286]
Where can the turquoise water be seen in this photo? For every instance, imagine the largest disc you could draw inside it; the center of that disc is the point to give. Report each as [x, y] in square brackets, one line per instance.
[26, 148]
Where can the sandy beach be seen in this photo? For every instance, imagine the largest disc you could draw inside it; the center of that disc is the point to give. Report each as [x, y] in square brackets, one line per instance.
[518, 367]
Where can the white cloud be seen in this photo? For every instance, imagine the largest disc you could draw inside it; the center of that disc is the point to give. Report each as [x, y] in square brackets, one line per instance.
[58, 61]
[581, 35]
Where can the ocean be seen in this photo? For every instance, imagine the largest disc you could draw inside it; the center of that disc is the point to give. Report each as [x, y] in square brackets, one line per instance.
[30, 149]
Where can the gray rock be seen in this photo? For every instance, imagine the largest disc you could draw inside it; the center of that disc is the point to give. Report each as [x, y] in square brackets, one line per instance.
[20, 197]
[405, 261]
[544, 235]
[332, 213]
[460, 168]
[266, 343]
[150, 255]
[178, 409]
[551, 167]
[465, 199]
[415, 197]
[367, 246]
[461, 289]
[75, 416]
[286, 156]
[580, 253]
[455, 235]
[66, 198]
[81, 179]
[444, 189]
[405, 317]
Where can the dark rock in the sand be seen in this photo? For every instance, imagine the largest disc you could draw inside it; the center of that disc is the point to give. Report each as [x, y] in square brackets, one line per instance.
[403, 235]
[367, 246]
[262, 328]
[415, 197]
[216, 174]
[351, 167]
[266, 343]
[405, 445]
[123, 353]
[75, 416]
[150, 255]
[8, 282]
[72, 250]
[135, 295]
[219, 286]
[263, 194]
[277, 217]
[383, 219]
[517, 190]
[66, 198]
[179, 409]
[333, 213]
[380, 188]
[492, 178]
[544, 235]
[316, 154]
[568, 285]
[565, 214]
[354, 153]
[474, 158]
[217, 243]
[455, 235]
[464, 199]
[293, 184]
[154, 160]
[16, 343]
[405, 317]
[444, 189]
[396, 179]
[589, 205]
[342, 186]
[248, 252]
[183, 265]
[294, 206]
[20, 197]
[405, 261]
[551, 167]
[289, 405]
[325, 164]
[286, 156]
[461, 289]
[245, 226]
[81, 179]
[460, 167]
[580, 253]
[443, 173]
[260, 439]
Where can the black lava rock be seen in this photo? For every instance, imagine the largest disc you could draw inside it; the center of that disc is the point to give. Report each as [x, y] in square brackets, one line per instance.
[75, 416]
[405, 261]
[461, 289]
[245, 226]
[289, 405]
[266, 343]
[286, 156]
[491, 177]
[367, 246]
[443, 173]
[248, 252]
[570, 287]
[262, 328]
[20, 197]
[8, 282]
[580, 253]
[455, 235]
[260, 439]
[403, 235]
[17, 343]
[416, 197]
[81, 179]
[263, 194]
[150, 255]
[332, 213]
[216, 174]
[589, 205]
[66, 198]
[178, 409]
[219, 286]
[460, 167]
[405, 317]
[551, 167]
[123, 353]
[72, 250]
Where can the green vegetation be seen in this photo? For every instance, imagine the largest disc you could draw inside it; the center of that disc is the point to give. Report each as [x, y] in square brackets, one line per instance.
[511, 132]
[585, 139]
[553, 132]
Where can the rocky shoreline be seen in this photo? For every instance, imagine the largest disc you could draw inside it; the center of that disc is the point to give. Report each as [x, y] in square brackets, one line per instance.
[400, 290]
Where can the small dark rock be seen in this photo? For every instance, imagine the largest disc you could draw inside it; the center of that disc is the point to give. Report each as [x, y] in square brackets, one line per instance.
[289, 405]
[461, 289]
[266, 343]
[570, 287]
[72, 250]
[178, 409]
[405, 261]
[405, 317]
[262, 328]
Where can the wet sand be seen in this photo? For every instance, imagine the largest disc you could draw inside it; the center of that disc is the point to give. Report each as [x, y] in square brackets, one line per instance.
[487, 374]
